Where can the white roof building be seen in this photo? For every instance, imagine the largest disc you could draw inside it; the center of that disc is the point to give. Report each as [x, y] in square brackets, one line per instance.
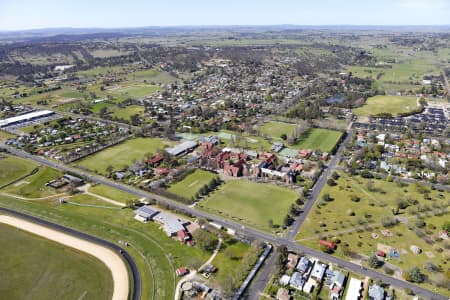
[354, 289]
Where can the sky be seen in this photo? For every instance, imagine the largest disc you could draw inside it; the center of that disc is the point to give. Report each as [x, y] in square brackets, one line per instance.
[32, 14]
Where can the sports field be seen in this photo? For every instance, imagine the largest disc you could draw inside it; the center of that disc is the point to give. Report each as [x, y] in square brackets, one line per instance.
[386, 104]
[13, 168]
[276, 129]
[318, 139]
[250, 203]
[192, 183]
[41, 269]
[122, 155]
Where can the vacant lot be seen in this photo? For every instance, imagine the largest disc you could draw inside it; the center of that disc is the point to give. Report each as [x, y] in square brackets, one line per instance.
[250, 203]
[127, 112]
[276, 129]
[114, 194]
[122, 155]
[190, 185]
[360, 223]
[386, 104]
[41, 269]
[12, 168]
[318, 139]
[34, 185]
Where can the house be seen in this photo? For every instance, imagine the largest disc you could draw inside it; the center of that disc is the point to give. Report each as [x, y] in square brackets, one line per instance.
[183, 236]
[354, 289]
[297, 281]
[145, 213]
[182, 271]
[318, 272]
[376, 292]
[283, 294]
[380, 253]
[338, 279]
[170, 223]
[155, 160]
[292, 260]
[303, 265]
[308, 287]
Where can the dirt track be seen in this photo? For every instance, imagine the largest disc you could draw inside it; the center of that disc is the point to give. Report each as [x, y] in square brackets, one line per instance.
[111, 259]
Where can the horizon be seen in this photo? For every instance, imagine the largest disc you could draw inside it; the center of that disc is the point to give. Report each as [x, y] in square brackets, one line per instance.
[51, 14]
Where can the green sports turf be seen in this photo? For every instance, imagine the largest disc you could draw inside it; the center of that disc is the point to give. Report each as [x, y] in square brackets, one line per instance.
[386, 104]
[36, 268]
[276, 129]
[192, 183]
[250, 203]
[318, 139]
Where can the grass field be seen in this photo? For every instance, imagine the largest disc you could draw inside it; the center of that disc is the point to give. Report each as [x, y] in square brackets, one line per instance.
[333, 219]
[114, 194]
[127, 112]
[318, 139]
[122, 155]
[41, 269]
[34, 185]
[276, 129]
[250, 203]
[192, 183]
[386, 104]
[13, 168]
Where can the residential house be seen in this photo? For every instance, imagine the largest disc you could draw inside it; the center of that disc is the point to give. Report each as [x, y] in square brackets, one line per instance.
[303, 265]
[297, 281]
[318, 271]
[354, 289]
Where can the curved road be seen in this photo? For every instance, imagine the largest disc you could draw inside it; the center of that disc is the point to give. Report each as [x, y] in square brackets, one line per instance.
[250, 232]
[137, 286]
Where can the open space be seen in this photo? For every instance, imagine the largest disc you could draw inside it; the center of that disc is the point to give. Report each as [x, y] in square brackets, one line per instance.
[360, 224]
[318, 139]
[13, 168]
[386, 104]
[192, 183]
[121, 155]
[250, 203]
[276, 129]
[34, 185]
[41, 269]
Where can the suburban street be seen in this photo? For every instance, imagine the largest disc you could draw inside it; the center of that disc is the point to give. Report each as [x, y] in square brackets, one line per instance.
[249, 232]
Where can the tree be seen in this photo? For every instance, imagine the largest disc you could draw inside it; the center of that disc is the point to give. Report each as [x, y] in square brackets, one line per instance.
[414, 275]
[325, 248]
[446, 226]
[373, 261]
[109, 169]
[205, 240]
[270, 223]
[331, 182]
[283, 136]
[326, 197]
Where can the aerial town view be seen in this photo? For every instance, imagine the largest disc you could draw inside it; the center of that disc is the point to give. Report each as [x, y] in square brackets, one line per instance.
[287, 150]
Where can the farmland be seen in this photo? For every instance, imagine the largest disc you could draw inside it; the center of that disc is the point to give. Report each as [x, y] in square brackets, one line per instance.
[13, 168]
[122, 155]
[62, 273]
[386, 104]
[192, 183]
[250, 203]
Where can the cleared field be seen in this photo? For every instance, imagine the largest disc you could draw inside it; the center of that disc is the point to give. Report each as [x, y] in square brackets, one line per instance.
[127, 112]
[34, 185]
[190, 185]
[134, 91]
[276, 129]
[250, 203]
[13, 168]
[386, 104]
[114, 194]
[359, 224]
[122, 155]
[318, 139]
[41, 269]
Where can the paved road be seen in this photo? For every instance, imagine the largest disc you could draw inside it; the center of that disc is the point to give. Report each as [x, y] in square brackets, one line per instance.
[250, 232]
[317, 188]
[137, 282]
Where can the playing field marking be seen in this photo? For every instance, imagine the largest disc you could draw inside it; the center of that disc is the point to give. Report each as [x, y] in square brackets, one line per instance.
[192, 184]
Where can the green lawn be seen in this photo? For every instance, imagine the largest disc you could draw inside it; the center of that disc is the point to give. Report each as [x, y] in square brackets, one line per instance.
[136, 91]
[250, 203]
[276, 129]
[127, 112]
[13, 168]
[34, 185]
[37, 268]
[192, 183]
[122, 155]
[386, 104]
[333, 219]
[114, 194]
[318, 139]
